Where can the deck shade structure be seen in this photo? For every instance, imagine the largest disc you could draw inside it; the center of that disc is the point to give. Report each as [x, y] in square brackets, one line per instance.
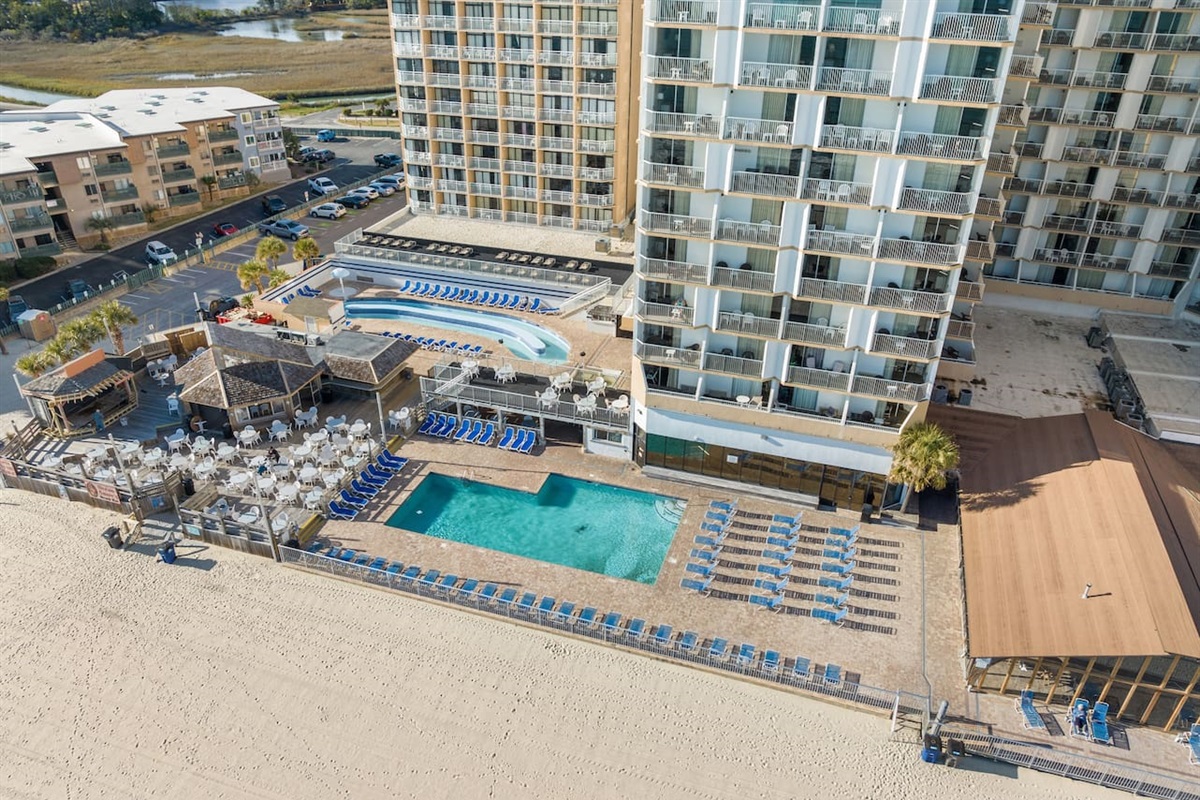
[66, 400]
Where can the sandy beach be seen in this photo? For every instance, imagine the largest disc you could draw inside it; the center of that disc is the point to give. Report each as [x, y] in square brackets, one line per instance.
[226, 676]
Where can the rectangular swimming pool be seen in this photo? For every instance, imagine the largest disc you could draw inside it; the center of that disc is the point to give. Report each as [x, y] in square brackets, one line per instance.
[605, 529]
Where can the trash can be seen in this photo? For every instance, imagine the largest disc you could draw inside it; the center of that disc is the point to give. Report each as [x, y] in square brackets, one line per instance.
[112, 535]
[189, 485]
[940, 393]
[166, 553]
[931, 753]
[964, 397]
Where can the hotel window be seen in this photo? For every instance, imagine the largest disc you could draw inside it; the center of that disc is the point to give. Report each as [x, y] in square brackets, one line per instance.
[254, 162]
[247, 118]
[249, 141]
[608, 436]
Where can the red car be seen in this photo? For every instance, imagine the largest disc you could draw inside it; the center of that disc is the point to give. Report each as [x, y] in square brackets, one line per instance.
[225, 229]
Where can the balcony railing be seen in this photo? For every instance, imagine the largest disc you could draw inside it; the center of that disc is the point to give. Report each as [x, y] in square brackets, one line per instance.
[890, 390]
[27, 194]
[973, 27]
[1088, 119]
[819, 378]
[232, 157]
[30, 223]
[1160, 122]
[1121, 230]
[1141, 160]
[1087, 155]
[1173, 84]
[937, 145]
[130, 218]
[670, 313]
[690, 124]
[827, 335]
[956, 88]
[1106, 262]
[969, 290]
[1057, 256]
[673, 174]
[179, 175]
[676, 224]
[674, 271]
[989, 207]
[662, 354]
[862, 20]
[786, 76]
[978, 250]
[673, 68]
[1181, 235]
[834, 291]
[1175, 42]
[1059, 36]
[960, 329]
[1038, 13]
[222, 134]
[841, 243]
[185, 199]
[1122, 40]
[935, 201]
[739, 322]
[114, 195]
[1014, 115]
[854, 81]
[765, 184]
[107, 168]
[734, 365]
[831, 191]
[231, 181]
[911, 300]
[171, 150]
[744, 279]
[748, 232]
[1059, 222]
[1068, 188]
[786, 16]
[920, 252]
[1181, 200]
[1024, 66]
[1004, 163]
[869, 140]
[758, 130]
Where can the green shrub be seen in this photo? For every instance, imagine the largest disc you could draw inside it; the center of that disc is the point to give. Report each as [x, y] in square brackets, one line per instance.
[33, 266]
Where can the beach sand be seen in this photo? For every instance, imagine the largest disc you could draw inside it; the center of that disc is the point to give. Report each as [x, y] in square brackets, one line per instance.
[227, 676]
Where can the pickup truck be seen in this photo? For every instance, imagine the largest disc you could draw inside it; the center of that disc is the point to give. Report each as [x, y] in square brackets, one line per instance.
[386, 160]
[284, 229]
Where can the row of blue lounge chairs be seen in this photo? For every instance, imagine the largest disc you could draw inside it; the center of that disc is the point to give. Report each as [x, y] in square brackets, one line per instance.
[366, 486]
[518, 440]
[303, 291]
[1086, 722]
[475, 297]
[840, 548]
[440, 345]
[472, 431]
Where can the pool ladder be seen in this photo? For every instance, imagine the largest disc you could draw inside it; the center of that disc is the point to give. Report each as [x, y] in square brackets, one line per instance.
[670, 509]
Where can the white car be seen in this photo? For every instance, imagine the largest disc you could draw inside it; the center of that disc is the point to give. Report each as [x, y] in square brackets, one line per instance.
[328, 211]
[365, 191]
[322, 186]
[385, 189]
[389, 180]
[158, 253]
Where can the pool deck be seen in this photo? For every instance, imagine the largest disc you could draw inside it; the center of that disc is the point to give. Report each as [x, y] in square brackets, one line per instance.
[882, 638]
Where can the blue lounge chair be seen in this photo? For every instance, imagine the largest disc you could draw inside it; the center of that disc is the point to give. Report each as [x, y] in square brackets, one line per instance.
[1078, 720]
[565, 613]
[449, 423]
[781, 530]
[830, 616]
[636, 629]
[800, 668]
[711, 556]
[316, 546]
[662, 635]
[546, 606]
[780, 518]
[507, 439]
[498, 300]
[489, 592]
[717, 504]
[771, 586]
[1100, 724]
[484, 298]
[1194, 744]
[688, 641]
[351, 500]
[770, 661]
[695, 586]
[476, 432]
[347, 556]
[708, 541]
[525, 604]
[778, 572]
[469, 586]
[447, 583]
[404, 288]
[835, 600]
[720, 530]
[397, 461]
[507, 597]
[333, 552]
[719, 649]
[1032, 720]
[536, 305]
[779, 555]
[381, 468]
[488, 435]
[430, 422]
[839, 554]
[611, 623]
[835, 541]
[411, 573]
[833, 674]
[587, 617]
[703, 570]
[470, 298]
[394, 568]
[438, 345]
[476, 348]
[527, 443]
[745, 654]
[516, 301]
[844, 533]
[363, 490]
[449, 348]
[374, 479]
[447, 292]
[769, 603]
[339, 511]
[361, 560]
[840, 568]
[786, 544]
[841, 584]
[378, 563]
[429, 579]
[548, 310]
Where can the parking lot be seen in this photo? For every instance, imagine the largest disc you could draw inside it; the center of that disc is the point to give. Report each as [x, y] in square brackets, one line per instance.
[354, 161]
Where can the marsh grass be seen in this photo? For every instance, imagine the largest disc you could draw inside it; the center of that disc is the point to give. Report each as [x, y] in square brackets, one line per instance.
[275, 69]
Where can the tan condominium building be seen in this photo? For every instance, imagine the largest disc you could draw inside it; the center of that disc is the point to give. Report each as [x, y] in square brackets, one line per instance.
[126, 154]
[520, 111]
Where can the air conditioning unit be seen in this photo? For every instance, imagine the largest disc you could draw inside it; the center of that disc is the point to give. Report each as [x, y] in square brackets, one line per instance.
[603, 245]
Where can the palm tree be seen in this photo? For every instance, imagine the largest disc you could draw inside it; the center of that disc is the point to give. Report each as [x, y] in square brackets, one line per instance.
[277, 277]
[102, 225]
[253, 273]
[270, 249]
[80, 334]
[922, 456]
[113, 317]
[35, 364]
[305, 250]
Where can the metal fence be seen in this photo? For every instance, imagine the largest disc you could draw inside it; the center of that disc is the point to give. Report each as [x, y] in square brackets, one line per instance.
[852, 693]
[366, 133]
[1142, 782]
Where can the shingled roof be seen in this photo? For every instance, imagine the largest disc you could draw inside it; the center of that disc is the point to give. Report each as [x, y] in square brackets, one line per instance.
[59, 385]
[246, 383]
[231, 339]
[364, 358]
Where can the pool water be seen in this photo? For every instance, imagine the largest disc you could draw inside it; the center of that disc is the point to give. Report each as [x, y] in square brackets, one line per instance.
[590, 526]
[523, 339]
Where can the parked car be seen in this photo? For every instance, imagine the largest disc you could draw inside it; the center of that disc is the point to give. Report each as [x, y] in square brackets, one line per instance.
[16, 306]
[328, 211]
[77, 290]
[365, 191]
[389, 180]
[158, 253]
[303, 153]
[386, 160]
[284, 229]
[353, 201]
[326, 136]
[322, 186]
[225, 229]
[273, 204]
[384, 189]
[212, 306]
[321, 156]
